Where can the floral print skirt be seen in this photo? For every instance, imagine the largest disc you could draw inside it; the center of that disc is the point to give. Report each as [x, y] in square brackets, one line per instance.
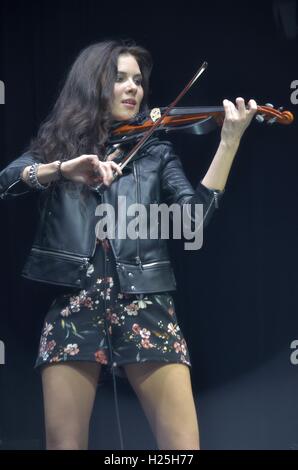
[103, 325]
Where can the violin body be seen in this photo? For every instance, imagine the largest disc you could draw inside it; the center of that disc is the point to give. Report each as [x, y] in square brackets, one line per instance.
[194, 120]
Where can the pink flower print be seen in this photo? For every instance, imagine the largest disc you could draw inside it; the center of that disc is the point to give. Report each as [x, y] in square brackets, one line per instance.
[74, 303]
[71, 349]
[114, 319]
[50, 345]
[55, 359]
[136, 328]
[146, 344]
[100, 356]
[88, 302]
[183, 347]
[145, 333]
[177, 347]
[43, 343]
[132, 309]
[46, 347]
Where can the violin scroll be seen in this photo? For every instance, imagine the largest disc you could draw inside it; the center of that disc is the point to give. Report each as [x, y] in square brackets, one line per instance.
[270, 115]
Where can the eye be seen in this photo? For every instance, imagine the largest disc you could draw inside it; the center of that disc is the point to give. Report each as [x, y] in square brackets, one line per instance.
[120, 78]
[138, 81]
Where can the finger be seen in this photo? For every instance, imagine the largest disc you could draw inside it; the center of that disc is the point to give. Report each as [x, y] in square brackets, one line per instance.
[252, 106]
[240, 103]
[109, 174]
[116, 167]
[92, 164]
[101, 172]
[229, 109]
[90, 158]
[94, 175]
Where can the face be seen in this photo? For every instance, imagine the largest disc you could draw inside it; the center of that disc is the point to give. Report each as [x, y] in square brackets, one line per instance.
[128, 90]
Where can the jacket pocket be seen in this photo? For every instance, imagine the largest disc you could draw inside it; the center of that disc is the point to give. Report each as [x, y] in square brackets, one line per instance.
[150, 277]
[56, 268]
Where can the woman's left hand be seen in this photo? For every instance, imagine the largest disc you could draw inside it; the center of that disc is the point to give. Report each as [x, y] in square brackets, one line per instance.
[237, 119]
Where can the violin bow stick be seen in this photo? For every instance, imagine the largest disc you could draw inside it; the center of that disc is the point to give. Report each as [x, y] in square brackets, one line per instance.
[148, 134]
[101, 187]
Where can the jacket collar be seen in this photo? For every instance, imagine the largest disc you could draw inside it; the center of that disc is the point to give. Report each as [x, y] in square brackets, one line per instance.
[128, 146]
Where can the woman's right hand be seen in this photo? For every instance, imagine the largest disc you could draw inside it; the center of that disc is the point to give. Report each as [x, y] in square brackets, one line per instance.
[88, 169]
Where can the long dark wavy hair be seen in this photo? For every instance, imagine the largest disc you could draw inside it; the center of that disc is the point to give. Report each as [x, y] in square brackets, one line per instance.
[81, 117]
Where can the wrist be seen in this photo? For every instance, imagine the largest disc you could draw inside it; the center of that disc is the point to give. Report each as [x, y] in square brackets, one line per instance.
[61, 170]
[230, 143]
[32, 177]
[24, 174]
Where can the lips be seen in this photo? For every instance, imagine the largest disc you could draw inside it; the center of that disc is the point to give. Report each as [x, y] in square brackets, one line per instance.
[130, 102]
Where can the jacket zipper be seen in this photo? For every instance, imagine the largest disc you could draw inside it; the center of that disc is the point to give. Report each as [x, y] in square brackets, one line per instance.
[77, 259]
[213, 200]
[144, 265]
[137, 258]
[94, 247]
[7, 193]
[154, 263]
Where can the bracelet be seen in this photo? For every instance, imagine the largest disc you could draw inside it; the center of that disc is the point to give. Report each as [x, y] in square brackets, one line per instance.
[32, 177]
[61, 177]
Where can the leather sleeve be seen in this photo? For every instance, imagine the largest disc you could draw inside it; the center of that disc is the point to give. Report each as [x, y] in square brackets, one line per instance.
[177, 189]
[11, 184]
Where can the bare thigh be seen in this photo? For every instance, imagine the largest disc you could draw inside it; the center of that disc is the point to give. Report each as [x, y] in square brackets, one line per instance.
[69, 391]
[165, 393]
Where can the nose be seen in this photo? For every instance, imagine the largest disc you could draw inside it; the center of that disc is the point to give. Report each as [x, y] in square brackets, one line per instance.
[131, 85]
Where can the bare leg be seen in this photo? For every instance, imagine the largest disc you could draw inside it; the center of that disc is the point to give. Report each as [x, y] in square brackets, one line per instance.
[165, 393]
[69, 391]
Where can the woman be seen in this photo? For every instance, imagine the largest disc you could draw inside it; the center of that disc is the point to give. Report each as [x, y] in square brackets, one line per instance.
[116, 308]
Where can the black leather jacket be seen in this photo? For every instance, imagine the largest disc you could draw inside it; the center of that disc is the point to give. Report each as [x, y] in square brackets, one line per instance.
[65, 239]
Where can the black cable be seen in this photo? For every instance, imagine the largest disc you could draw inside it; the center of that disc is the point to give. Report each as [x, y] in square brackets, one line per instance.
[108, 334]
[111, 355]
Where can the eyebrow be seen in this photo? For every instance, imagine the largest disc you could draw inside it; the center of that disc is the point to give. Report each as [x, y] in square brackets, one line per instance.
[125, 73]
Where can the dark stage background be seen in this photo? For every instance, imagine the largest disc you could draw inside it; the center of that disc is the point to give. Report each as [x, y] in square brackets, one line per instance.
[237, 300]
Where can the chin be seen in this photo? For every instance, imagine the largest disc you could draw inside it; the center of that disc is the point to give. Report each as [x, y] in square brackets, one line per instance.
[125, 116]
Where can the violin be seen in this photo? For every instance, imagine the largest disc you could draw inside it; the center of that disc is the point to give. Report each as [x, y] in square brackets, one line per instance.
[193, 120]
